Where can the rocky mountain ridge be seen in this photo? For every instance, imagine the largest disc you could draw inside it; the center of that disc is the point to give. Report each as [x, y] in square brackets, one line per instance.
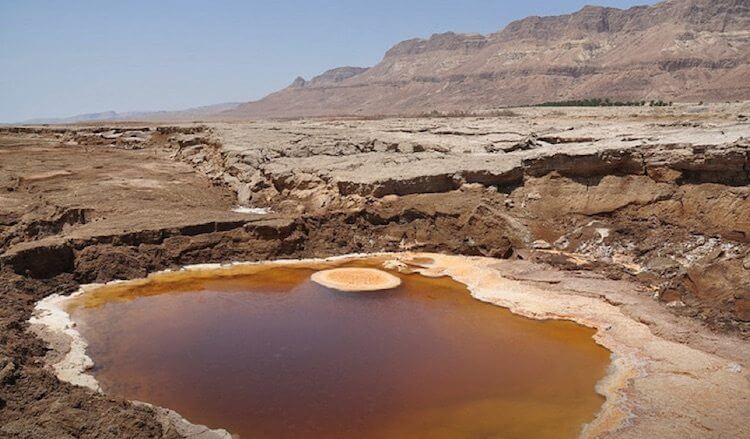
[682, 50]
[177, 115]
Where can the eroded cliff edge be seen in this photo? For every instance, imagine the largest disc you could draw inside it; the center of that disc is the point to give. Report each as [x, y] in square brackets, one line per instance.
[656, 198]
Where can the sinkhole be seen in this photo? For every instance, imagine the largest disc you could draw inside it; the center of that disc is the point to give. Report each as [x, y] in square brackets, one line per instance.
[265, 351]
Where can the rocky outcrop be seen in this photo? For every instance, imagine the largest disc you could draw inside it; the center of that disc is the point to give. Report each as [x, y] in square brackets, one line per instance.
[336, 75]
[329, 78]
[448, 41]
[697, 15]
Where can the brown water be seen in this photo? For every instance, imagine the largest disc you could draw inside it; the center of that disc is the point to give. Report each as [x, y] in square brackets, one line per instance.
[274, 355]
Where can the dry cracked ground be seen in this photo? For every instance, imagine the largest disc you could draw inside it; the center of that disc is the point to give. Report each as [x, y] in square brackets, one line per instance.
[653, 200]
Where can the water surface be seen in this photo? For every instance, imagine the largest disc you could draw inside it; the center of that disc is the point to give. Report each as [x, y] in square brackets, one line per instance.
[273, 354]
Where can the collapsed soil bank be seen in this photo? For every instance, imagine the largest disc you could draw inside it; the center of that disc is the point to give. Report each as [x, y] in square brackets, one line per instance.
[29, 385]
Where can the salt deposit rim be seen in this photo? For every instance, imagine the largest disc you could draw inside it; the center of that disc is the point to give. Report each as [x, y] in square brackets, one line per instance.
[613, 328]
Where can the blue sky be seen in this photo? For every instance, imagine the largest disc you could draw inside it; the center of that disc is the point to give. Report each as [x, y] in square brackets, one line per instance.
[60, 58]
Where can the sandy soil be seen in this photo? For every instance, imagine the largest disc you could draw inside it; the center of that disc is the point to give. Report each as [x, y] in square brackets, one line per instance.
[646, 213]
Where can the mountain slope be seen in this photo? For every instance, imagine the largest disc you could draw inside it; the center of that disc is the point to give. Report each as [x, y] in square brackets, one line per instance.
[676, 50]
[166, 116]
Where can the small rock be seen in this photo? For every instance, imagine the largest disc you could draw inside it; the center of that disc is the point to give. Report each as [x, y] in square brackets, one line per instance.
[198, 158]
[562, 243]
[137, 134]
[110, 135]
[468, 187]
[379, 146]
[669, 295]
[541, 245]
[676, 304]
[662, 265]
[746, 262]
[244, 194]
[713, 255]
[8, 372]
[191, 141]
[734, 368]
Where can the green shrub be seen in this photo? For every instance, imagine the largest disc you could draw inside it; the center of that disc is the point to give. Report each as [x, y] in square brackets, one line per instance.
[593, 102]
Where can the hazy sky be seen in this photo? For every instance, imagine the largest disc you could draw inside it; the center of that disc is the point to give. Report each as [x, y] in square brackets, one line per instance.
[60, 58]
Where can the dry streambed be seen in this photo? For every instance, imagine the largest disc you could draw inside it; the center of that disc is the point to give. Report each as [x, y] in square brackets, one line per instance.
[654, 386]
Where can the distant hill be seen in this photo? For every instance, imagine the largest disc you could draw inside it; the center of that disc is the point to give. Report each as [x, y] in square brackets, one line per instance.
[681, 50]
[676, 50]
[181, 115]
